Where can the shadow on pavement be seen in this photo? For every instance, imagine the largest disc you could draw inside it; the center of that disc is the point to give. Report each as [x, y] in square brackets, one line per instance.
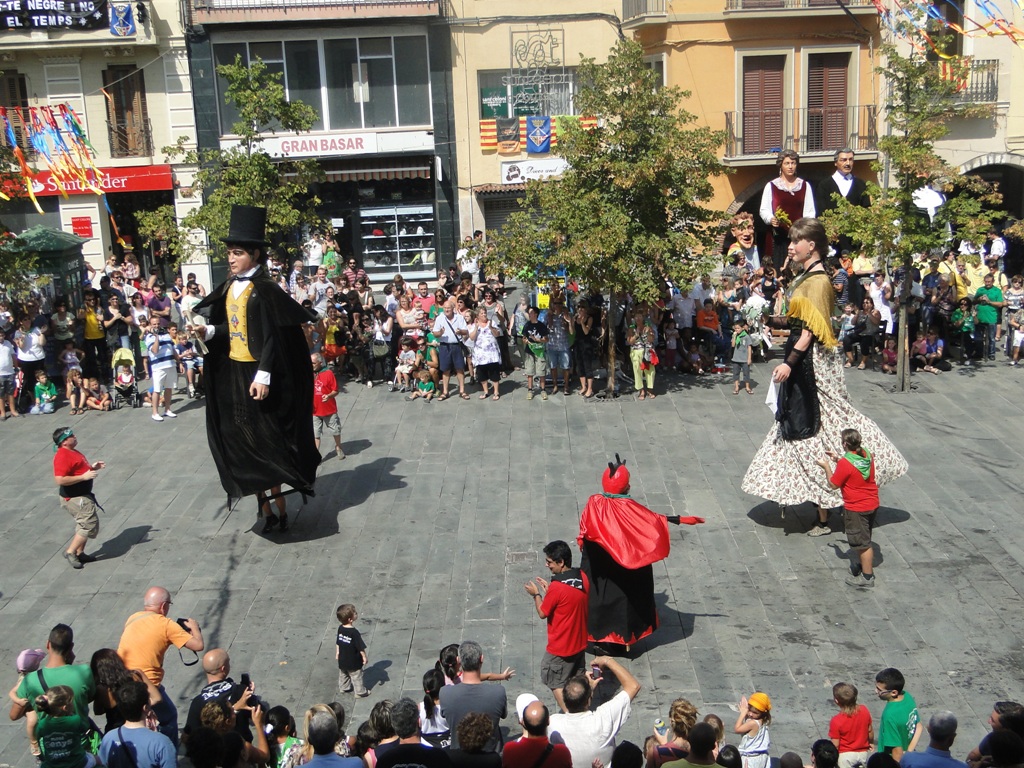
[354, 447]
[349, 486]
[376, 674]
[798, 519]
[122, 543]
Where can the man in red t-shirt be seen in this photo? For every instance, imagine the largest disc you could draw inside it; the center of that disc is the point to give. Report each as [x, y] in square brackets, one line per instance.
[74, 475]
[325, 406]
[564, 603]
[854, 476]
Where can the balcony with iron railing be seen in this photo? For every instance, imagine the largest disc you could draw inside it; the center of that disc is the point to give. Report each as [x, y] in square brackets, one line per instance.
[269, 11]
[981, 85]
[756, 136]
[130, 139]
[638, 11]
[800, 5]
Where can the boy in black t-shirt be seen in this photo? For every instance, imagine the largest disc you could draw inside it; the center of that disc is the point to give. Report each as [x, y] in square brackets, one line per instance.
[350, 653]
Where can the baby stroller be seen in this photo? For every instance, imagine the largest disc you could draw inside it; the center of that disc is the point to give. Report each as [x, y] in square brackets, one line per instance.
[126, 389]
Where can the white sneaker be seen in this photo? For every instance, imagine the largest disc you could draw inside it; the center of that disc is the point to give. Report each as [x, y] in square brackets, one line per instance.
[369, 385]
[170, 414]
[157, 417]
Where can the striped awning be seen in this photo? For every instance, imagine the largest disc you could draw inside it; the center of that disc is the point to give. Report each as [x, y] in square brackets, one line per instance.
[379, 169]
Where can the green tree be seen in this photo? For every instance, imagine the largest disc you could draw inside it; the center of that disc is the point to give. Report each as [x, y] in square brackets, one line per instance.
[631, 210]
[244, 173]
[921, 100]
[16, 266]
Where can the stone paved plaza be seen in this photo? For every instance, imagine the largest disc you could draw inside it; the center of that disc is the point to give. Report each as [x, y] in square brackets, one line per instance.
[437, 518]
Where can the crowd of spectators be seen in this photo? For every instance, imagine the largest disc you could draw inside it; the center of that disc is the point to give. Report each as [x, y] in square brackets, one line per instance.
[462, 720]
[961, 307]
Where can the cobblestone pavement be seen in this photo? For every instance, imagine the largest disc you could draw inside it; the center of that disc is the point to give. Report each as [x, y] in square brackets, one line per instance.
[437, 518]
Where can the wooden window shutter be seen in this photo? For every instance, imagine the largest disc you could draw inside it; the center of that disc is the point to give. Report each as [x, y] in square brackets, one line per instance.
[127, 112]
[827, 106]
[763, 93]
[14, 93]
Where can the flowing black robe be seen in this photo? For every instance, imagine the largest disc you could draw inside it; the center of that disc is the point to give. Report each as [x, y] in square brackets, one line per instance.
[620, 541]
[258, 444]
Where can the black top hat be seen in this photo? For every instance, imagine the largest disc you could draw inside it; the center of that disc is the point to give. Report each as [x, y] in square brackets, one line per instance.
[248, 226]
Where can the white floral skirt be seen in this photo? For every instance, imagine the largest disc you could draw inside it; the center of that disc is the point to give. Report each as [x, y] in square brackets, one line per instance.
[785, 471]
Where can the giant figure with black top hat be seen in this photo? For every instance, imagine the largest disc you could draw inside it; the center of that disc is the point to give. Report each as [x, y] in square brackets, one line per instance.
[259, 380]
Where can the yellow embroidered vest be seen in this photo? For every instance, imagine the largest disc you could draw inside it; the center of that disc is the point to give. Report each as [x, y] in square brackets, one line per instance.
[238, 331]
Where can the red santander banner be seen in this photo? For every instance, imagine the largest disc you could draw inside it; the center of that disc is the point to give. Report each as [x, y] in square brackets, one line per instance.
[145, 178]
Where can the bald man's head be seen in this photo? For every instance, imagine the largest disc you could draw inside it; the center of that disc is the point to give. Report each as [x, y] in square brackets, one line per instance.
[217, 663]
[535, 719]
[157, 599]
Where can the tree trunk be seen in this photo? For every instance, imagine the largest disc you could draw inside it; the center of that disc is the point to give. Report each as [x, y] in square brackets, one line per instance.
[903, 343]
[903, 351]
[609, 338]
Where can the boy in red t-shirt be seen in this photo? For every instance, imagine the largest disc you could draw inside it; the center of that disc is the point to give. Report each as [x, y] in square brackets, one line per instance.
[325, 406]
[850, 729]
[854, 476]
[564, 604]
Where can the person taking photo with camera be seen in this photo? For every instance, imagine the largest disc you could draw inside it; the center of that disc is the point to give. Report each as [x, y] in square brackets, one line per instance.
[147, 636]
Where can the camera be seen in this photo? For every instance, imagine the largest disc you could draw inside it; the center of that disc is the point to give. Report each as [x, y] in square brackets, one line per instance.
[183, 624]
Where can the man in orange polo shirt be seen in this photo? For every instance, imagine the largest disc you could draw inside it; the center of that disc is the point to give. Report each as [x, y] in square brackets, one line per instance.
[147, 636]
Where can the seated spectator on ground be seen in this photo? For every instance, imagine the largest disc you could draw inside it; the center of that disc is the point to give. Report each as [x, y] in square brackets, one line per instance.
[709, 328]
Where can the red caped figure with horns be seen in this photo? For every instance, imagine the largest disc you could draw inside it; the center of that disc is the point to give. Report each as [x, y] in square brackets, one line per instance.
[620, 541]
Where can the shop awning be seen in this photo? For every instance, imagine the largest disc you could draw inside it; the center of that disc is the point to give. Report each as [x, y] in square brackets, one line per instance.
[379, 169]
[500, 189]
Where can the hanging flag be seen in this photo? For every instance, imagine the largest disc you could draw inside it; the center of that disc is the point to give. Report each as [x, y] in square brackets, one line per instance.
[508, 135]
[488, 135]
[538, 135]
[122, 20]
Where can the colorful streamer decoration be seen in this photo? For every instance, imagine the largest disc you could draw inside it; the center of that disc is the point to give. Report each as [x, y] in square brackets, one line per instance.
[924, 17]
[60, 144]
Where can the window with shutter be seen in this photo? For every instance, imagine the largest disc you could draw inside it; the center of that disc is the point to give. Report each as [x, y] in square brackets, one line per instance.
[14, 93]
[763, 89]
[827, 108]
[127, 114]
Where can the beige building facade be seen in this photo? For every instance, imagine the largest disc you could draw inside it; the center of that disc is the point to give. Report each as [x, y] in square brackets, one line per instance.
[510, 63]
[123, 68]
[771, 74]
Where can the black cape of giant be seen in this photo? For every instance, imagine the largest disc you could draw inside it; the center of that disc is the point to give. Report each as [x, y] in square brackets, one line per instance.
[258, 444]
[620, 541]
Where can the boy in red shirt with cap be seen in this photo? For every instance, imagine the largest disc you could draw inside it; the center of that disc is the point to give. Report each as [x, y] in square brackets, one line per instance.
[854, 476]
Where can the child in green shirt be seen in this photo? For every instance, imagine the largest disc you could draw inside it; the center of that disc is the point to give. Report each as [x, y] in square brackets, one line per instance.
[963, 323]
[46, 394]
[424, 388]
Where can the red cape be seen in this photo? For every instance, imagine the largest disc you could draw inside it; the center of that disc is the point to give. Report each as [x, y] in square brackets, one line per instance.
[628, 531]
